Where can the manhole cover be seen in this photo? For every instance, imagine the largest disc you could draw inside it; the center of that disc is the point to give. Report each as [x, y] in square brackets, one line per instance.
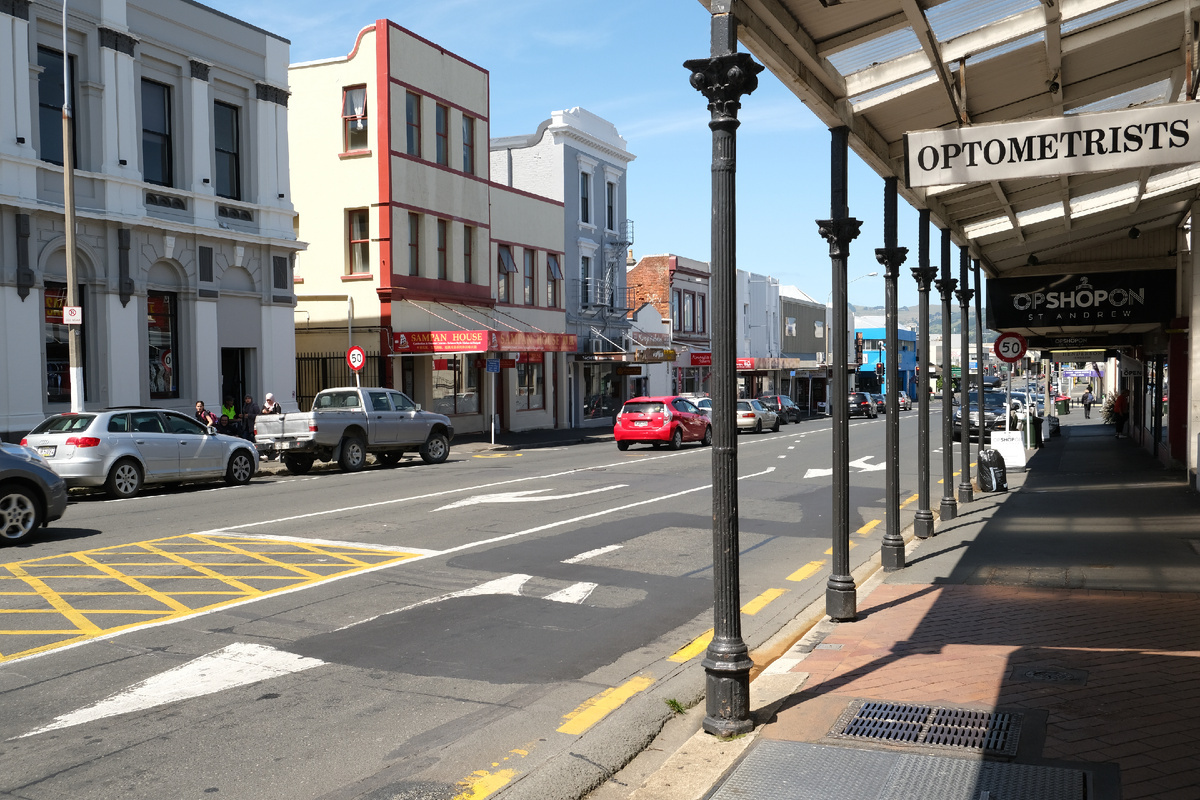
[991, 732]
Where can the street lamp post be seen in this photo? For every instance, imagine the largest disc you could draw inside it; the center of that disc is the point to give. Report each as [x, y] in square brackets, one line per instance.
[74, 332]
[945, 286]
[828, 332]
[723, 79]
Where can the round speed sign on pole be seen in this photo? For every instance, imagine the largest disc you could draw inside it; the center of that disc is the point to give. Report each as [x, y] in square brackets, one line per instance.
[356, 357]
[1010, 347]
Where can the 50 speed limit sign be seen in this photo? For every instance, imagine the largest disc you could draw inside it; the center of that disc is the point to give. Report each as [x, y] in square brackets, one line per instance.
[356, 357]
[1010, 347]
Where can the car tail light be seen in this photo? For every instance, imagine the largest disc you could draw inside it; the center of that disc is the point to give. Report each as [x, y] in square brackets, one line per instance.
[312, 428]
[84, 441]
[24, 442]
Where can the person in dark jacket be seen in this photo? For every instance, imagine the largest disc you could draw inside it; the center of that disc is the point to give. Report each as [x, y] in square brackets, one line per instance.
[249, 412]
[203, 415]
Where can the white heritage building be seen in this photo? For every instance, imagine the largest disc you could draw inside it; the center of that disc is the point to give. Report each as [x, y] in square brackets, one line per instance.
[415, 254]
[185, 234]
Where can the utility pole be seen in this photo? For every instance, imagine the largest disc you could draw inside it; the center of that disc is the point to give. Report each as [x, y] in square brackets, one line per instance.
[74, 332]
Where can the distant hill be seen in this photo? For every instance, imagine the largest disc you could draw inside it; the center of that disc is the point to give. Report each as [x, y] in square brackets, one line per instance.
[909, 315]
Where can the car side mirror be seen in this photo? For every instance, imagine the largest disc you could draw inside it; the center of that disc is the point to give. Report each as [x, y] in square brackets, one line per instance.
[418, 406]
[212, 431]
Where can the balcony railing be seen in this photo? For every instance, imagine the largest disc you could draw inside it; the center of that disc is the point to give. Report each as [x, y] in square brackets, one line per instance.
[596, 293]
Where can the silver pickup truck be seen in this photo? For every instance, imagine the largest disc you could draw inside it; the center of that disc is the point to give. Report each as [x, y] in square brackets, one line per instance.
[348, 423]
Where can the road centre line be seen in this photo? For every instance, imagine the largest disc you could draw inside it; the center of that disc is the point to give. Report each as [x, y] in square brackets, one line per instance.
[424, 555]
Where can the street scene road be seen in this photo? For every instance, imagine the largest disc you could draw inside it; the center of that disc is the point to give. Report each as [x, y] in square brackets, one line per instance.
[508, 619]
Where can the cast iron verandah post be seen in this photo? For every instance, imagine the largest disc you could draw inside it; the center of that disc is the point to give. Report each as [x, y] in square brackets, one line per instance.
[841, 599]
[979, 338]
[924, 274]
[945, 286]
[964, 294]
[891, 257]
[723, 79]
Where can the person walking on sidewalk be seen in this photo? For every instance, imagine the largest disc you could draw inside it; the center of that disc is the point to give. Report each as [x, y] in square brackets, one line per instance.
[1088, 399]
[1121, 412]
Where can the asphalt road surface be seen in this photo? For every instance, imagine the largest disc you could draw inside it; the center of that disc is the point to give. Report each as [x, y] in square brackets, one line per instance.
[505, 623]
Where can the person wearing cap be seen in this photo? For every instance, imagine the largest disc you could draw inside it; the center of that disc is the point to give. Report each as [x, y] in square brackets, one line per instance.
[270, 406]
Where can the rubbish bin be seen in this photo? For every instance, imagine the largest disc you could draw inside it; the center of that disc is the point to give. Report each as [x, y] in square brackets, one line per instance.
[1062, 407]
[1031, 432]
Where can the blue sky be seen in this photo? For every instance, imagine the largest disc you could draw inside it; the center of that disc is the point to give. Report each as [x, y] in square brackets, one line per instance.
[622, 60]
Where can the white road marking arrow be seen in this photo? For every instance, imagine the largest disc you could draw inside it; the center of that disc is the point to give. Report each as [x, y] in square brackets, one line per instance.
[523, 497]
[862, 465]
[818, 473]
[236, 665]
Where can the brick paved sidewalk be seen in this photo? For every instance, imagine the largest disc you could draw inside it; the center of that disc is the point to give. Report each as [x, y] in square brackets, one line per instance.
[1126, 670]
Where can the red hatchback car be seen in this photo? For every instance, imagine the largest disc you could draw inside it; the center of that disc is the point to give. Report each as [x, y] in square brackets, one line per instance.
[661, 420]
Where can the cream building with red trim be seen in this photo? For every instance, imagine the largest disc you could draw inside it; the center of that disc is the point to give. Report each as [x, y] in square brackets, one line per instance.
[413, 251]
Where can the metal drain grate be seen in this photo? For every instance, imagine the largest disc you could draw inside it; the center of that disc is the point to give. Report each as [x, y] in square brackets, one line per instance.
[992, 732]
[891, 722]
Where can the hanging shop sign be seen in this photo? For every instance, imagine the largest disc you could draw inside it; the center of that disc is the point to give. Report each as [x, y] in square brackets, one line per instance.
[1095, 298]
[701, 359]
[1066, 145]
[415, 342]
[535, 341]
[654, 355]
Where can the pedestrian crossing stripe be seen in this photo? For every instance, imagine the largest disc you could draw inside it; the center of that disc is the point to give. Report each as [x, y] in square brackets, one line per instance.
[55, 601]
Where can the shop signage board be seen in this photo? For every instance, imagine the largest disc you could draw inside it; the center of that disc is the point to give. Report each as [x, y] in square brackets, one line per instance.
[1092, 298]
[531, 341]
[415, 342]
[1066, 145]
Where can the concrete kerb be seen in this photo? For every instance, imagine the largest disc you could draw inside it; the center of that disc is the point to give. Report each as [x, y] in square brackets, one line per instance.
[694, 769]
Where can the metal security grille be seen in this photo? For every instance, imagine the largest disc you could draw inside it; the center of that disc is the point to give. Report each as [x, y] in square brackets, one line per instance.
[317, 371]
[992, 732]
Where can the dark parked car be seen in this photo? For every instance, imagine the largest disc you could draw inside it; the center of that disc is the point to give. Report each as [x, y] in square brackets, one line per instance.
[880, 403]
[31, 494]
[863, 405]
[782, 405]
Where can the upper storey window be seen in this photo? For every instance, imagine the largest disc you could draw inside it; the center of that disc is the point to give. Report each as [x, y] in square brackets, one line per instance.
[227, 138]
[412, 124]
[156, 133]
[354, 118]
[50, 103]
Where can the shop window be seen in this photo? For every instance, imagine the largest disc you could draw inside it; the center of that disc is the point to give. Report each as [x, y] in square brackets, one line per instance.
[531, 390]
[360, 241]
[505, 274]
[412, 124]
[354, 118]
[156, 133]
[441, 127]
[58, 353]
[468, 254]
[162, 334]
[530, 264]
[227, 145]
[50, 103]
[553, 276]
[456, 383]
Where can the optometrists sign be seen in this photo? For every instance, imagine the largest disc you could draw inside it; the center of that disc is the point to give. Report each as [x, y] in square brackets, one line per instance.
[1066, 145]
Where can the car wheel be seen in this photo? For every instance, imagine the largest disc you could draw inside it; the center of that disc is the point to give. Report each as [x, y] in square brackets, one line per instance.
[676, 439]
[707, 440]
[298, 465]
[622, 446]
[240, 469]
[20, 514]
[389, 459]
[758, 426]
[775, 427]
[436, 449]
[354, 454]
[124, 480]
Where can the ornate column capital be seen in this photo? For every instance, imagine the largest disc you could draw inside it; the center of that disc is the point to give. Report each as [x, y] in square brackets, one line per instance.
[924, 277]
[891, 258]
[723, 80]
[945, 287]
[839, 233]
[964, 296]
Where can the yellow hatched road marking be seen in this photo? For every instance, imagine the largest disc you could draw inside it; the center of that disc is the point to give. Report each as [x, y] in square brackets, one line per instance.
[759, 603]
[82, 623]
[865, 529]
[58, 580]
[603, 704]
[809, 569]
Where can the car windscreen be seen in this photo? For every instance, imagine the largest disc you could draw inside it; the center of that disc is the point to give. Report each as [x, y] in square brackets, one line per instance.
[65, 423]
[642, 408]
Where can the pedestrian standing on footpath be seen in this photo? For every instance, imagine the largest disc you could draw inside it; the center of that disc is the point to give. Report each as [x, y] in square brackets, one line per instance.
[249, 412]
[1088, 399]
[270, 406]
[1121, 412]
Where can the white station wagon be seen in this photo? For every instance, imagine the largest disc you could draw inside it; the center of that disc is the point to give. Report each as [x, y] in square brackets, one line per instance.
[122, 449]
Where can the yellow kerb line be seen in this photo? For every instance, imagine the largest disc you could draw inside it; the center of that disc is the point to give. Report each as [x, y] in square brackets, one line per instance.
[865, 529]
[909, 500]
[809, 569]
[853, 545]
[600, 706]
[700, 643]
[759, 603]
